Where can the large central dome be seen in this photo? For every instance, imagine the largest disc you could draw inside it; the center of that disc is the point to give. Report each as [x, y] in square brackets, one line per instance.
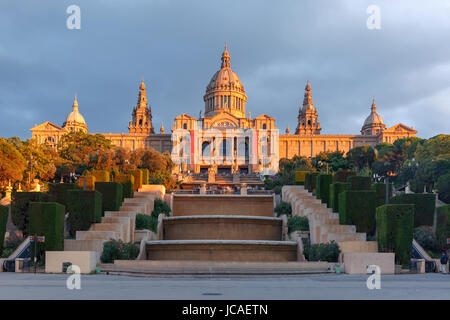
[225, 91]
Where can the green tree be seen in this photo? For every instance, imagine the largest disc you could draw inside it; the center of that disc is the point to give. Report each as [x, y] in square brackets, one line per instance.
[362, 156]
[12, 163]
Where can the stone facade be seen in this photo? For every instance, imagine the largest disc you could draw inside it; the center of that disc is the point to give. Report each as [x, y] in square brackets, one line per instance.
[226, 139]
[308, 142]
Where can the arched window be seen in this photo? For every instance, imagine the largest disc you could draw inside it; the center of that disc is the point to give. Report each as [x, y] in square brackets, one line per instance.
[206, 151]
[185, 126]
[264, 126]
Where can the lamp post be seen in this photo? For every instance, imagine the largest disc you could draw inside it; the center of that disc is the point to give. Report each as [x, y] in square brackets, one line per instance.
[413, 165]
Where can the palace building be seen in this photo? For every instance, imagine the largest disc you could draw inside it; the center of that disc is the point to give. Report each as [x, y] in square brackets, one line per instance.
[226, 139]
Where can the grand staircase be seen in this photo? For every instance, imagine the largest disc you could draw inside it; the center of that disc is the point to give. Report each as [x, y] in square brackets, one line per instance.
[220, 235]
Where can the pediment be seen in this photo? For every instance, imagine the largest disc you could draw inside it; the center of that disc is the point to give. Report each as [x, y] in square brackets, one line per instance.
[47, 126]
[400, 127]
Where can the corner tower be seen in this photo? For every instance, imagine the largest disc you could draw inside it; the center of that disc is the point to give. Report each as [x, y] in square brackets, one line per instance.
[225, 91]
[307, 116]
[142, 115]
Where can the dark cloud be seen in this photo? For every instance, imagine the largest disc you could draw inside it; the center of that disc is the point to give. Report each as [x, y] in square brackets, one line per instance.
[275, 47]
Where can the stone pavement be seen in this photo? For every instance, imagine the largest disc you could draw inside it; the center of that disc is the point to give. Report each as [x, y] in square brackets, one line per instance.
[53, 286]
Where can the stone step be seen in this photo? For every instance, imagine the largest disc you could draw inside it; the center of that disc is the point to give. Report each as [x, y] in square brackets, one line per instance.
[125, 222]
[116, 227]
[212, 268]
[126, 214]
[222, 227]
[84, 245]
[358, 246]
[222, 250]
[134, 208]
[340, 228]
[97, 235]
[346, 236]
[146, 202]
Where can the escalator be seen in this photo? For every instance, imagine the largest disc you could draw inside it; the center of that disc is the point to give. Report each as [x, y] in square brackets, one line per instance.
[23, 251]
[419, 253]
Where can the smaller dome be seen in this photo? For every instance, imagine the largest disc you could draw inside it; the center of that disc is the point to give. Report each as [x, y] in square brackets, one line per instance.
[374, 118]
[75, 116]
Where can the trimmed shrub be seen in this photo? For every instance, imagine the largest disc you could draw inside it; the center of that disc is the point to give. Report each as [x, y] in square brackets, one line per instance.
[380, 189]
[57, 192]
[112, 195]
[283, 208]
[19, 208]
[342, 175]
[3, 220]
[118, 250]
[323, 252]
[101, 175]
[358, 208]
[145, 176]
[300, 177]
[144, 221]
[85, 208]
[310, 181]
[127, 181]
[323, 182]
[335, 189]
[47, 219]
[160, 207]
[395, 230]
[425, 203]
[360, 182]
[90, 182]
[298, 223]
[137, 179]
[443, 226]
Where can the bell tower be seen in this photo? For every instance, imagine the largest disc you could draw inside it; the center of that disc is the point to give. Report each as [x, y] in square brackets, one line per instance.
[307, 116]
[142, 115]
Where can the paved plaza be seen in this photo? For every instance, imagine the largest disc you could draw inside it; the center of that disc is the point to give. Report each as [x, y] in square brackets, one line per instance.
[331, 286]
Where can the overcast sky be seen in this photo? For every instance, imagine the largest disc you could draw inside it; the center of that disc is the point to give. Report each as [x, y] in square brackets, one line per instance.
[275, 46]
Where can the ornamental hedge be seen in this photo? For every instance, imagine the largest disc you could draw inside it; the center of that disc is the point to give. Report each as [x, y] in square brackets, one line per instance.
[3, 220]
[47, 219]
[300, 177]
[395, 230]
[145, 176]
[380, 189]
[298, 223]
[85, 208]
[112, 195]
[360, 182]
[138, 178]
[335, 189]
[342, 175]
[443, 226]
[358, 208]
[310, 181]
[323, 182]
[101, 175]
[57, 192]
[127, 181]
[19, 208]
[425, 204]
